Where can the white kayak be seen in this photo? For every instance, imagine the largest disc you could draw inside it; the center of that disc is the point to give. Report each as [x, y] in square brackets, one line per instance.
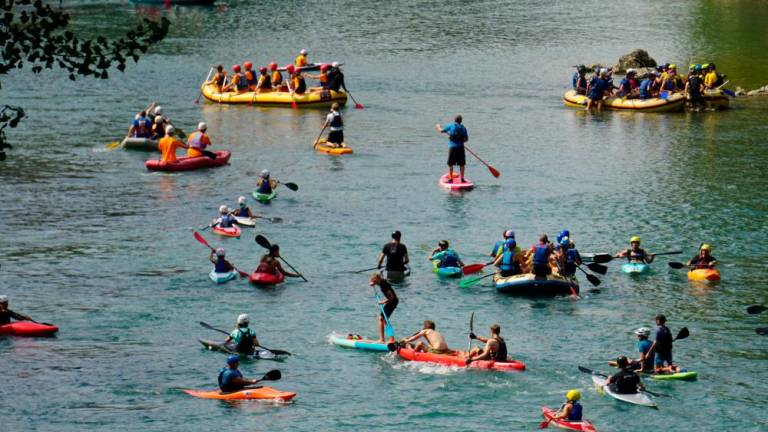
[245, 221]
[639, 398]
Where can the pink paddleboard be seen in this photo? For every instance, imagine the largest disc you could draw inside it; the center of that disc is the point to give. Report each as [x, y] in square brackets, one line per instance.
[456, 185]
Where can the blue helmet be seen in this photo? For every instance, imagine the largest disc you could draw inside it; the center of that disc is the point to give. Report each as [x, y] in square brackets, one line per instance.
[510, 243]
[565, 242]
[233, 360]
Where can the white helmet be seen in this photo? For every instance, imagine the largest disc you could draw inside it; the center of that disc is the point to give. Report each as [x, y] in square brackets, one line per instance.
[202, 126]
[158, 110]
[223, 209]
[138, 116]
[630, 70]
[335, 64]
[243, 319]
[170, 130]
[303, 51]
[3, 299]
[220, 252]
[643, 331]
[241, 200]
[264, 173]
[158, 119]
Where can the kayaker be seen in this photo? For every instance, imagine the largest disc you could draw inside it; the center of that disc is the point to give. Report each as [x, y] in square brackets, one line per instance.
[336, 126]
[336, 78]
[198, 141]
[140, 126]
[238, 83]
[579, 81]
[571, 409]
[495, 347]
[694, 88]
[662, 347]
[596, 90]
[301, 59]
[397, 257]
[269, 263]
[568, 257]
[158, 127]
[276, 78]
[221, 265]
[230, 378]
[645, 91]
[626, 381]
[457, 136]
[264, 83]
[250, 76]
[322, 77]
[435, 341]
[225, 219]
[510, 262]
[388, 303]
[704, 259]
[447, 257]
[242, 210]
[168, 145]
[218, 78]
[6, 314]
[669, 82]
[243, 337]
[540, 256]
[298, 85]
[264, 185]
[636, 254]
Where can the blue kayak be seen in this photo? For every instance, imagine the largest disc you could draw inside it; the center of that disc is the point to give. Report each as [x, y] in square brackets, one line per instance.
[357, 342]
[635, 268]
[448, 272]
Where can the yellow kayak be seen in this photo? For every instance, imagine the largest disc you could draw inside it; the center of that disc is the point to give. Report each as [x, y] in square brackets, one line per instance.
[314, 97]
[322, 146]
[706, 275]
[673, 102]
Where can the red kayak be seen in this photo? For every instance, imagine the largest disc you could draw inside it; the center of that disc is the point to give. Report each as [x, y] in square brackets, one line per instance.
[233, 231]
[266, 279]
[583, 425]
[453, 360]
[28, 328]
[188, 163]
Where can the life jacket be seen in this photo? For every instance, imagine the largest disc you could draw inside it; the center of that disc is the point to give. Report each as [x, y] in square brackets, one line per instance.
[336, 122]
[143, 129]
[639, 256]
[226, 221]
[219, 77]
[240, 81]
[245, 346]
[645, 88]
[277, 78]
[501, 353]
[264, 82]
[626, 382]
[226, 376]
[459, 134]
[299, 85]
[669, 84]
[575, 80]
[222, 266]
[301, 60]
[541, 254]
[449, 259]
[195, 140]
[242, 212]
[250, 77]
[158, 129]
[508, 263]
[323, 78]
[265, 187]
[570, 262]
[575, 414]
[625, 86]
[664, 341]
[498, 248]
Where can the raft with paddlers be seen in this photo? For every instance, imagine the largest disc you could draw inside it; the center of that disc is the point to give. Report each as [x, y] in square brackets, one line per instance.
[314, 97]
[140, 144]
[528, 284]
[668, 103]
[189, 163]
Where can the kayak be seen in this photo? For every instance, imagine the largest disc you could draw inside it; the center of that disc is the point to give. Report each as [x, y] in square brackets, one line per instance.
[583, 425]
[707, 275]
[455, 185]
[531, 285]
[230, 349]
[322, 146]
[251, 393]
[447, 272]
[221, 278]
[315, 97]
[266, 279]
[715, 99]
[141, 144]
[635, 268]
[264, 198]
[245, 221]
[681, 376]
[188, 163]
[28, 328]
[233, 231]
[639, 398]
[357, 342]
[452, 359]
[673, 102]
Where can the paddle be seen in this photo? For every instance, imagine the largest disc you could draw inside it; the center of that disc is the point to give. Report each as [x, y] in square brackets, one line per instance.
[676, 265]
[203, 242]
[115, 144]
[604, 258]
[357, 105]
[272, 375]
[682, 334]
[471, 330]
[263, 242]
[364, 270]
[292, 186]
[591, 278]
[314, 146]
[271, 219]
[275, 352]
[494, 171]
[761, 330]
[756, 309]
[591, 372]
[388, 330]
[472, 268]
[197, 101]
[469, 282]
[598, 268]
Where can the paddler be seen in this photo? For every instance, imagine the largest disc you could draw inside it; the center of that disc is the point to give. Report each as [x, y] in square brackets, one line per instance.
[336, 126]
[388, 303]
[626, 381]
[447, 257]
[301, 59]
[6, 314]
[510, 262]
[694, 88]
[495, 348]
[159, 125]
[704, 259]
[225, 220]
[269, 263]
[230, 378]
[198, 141]
[567, 257]
[662, 347]
[635, 254]
[322, 76]
[140, 126]
[711, 78]
[645, 91]
[168, 145]
[250, 76]
[242, 210]
[218, 78]
[498, 247]
[644, 363]
[628, 85]
[264, 185]
[596, 90]
[336, 78]
[221, 265]
[579, 81]
[457, 136]
[435, 341]
[238, 83]
[264, 83]
[243, 337]
[571, 410]
[397, 257]
[276, 78]
[540, 256]
[298, 84]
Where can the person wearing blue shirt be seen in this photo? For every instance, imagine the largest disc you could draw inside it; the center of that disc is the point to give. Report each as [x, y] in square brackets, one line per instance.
[662, 347]
[141, 126]
[596, 90]
[230, 378]
[579, 81]
[646, 86]
[225, 220]
[457, 136]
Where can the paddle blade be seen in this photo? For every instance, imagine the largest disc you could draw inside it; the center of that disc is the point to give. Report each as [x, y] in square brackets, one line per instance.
[676, 265]
[544, 424]
[761, 330]
[242, 273]
[683, 333]
[729, 92]
[593, 280]
[472, 268]
[494, 171]
[756, 309]
[602, 258]
[598, 268]
[292, 186]
[469, 282]
[585, 370]
[294, 105]
[202, 241]
[272, 375]
[359, 106]
[263, 242]
[113, 145]
[275, 220]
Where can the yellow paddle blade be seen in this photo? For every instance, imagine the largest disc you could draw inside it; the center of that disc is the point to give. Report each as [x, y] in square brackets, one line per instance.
[113, 145]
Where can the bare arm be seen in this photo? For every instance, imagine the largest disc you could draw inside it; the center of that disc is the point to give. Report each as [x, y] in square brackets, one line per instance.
[380, 260]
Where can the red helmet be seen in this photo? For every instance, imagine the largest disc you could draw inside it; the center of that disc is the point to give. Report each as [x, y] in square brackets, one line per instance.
[273, 66]
[290, 68]
[323, 68]
[263, 70]
[236, 68]
[248, 65]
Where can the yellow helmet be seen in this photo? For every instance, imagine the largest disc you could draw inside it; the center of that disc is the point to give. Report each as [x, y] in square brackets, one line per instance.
[573, 395]
[673, 66]
[706, 247]
[634, 239]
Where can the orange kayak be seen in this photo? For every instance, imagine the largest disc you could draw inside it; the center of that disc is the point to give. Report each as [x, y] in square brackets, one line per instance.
[451, 359]
[707, 275]
[251, 393]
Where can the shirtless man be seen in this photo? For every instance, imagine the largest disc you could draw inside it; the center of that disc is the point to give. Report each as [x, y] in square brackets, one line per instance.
[495, 347]
[436, 341]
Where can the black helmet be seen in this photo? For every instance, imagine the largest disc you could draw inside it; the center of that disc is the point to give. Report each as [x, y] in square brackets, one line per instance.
[622, 361]
[581, 68]
[711, 66]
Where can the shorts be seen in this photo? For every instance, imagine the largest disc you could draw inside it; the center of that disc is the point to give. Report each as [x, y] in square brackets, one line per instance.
[663, 358]
[336, 137]
[594, 97]
[456, 156]
[389, 308]
[395, 275]
[542, 269]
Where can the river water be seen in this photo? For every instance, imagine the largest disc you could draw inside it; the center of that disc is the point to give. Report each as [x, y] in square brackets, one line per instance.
[96, 244]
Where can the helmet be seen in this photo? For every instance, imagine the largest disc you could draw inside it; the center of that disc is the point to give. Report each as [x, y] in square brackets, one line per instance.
[565, 242]
[3, 299]
[243, 319]
[303, 51]
[573, 395]
[634, 239]
[335, 64]
[691, 67]
[248, 65]
[264, 173]
[711, 66]
[223, 209]
[706, 247]
[643, 331]
[236, 68]
[673, 66]
[263, 70]
[323, 68]
[631, 71]
[290, 68]
[170, 130]
[443, 243]
[705, 66]
[220, 252]
[581, 68]
[660, 68]
[202, 126]
[622, 361]
[273, 66]
[697, 68]
[510, 243]
[233, 360]
[241, 200]
[509, 234]
[158, 119]
[158, 110]
[564, 233]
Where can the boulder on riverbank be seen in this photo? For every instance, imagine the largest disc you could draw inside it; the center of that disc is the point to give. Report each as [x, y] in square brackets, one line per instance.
[637, 59]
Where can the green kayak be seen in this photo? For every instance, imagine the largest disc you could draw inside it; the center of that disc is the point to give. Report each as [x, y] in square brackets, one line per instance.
[687, 375]
[264, 198]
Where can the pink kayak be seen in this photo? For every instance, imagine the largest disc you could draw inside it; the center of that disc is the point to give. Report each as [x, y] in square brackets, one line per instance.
[266, 279]
[188, 163]
[233, 231]
[583, 425]
[455, 184]
[28, 328]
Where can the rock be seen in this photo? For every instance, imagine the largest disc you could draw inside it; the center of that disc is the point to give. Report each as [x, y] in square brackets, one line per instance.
[636, 59]
[765, 89]
[739, 91]
[753, 92]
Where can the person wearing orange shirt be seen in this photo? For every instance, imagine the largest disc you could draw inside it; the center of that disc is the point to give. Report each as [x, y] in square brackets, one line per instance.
[264, 83]
[168, 145]
[301, 59]
[322, 76]
[277, 77]
[198, 141]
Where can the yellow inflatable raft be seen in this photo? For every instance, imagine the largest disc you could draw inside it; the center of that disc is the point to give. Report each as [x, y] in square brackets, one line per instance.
[322, 146]
[314, 97]
[674, 102]
[716, 99]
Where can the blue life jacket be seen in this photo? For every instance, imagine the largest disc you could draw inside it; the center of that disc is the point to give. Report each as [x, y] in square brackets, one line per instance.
[242, 83]
[142, 128]
[222, 266]
[570, 262]
[226, 376]
[508, 263]
[449, 259]
[624, 86]
[265, 187]
[669, 84]
[645, 88]
[597, 88]
[498, 247]
[242, 212]
[541, 254]
[576, 412]
[226, 221]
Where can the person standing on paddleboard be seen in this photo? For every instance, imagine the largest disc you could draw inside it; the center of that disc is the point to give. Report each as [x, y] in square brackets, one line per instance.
[662, 347]
[336, 131]
[6, 314]
[389, 303]
[457, 136]
[397, 257]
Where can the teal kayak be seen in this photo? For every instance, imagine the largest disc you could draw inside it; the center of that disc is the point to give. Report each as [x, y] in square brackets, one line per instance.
[357, 342]
[447, 272]
[264, 198]
[635, 268]
[221, 278]
[687, 375]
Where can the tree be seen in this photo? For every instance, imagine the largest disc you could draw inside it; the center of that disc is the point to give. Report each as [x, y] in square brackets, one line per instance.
[35, 34]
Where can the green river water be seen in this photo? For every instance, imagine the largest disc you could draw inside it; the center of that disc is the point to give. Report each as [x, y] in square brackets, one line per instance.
[94, 243]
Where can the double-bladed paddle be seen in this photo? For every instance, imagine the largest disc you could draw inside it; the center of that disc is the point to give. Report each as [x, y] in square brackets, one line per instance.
[292, 186]
[275, 352]
[263, 242]
[604, 258]
[756, 309]
[597, 268]
[471, 330]
[203, 242]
